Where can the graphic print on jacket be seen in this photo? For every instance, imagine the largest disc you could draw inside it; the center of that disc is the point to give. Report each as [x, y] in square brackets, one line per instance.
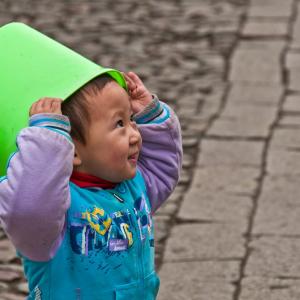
[143, 214]
[96, 230]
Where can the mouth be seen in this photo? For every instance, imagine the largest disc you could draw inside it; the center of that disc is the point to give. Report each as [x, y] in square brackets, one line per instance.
[133, 158]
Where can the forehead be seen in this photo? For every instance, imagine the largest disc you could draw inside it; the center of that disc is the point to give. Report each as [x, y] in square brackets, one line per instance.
[111, 99]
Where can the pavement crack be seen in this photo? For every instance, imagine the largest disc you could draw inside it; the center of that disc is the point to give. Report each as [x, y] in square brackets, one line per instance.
[288, 277]
[203, 260]
[288, 236]
[235, 138]
[279, 287]
[180, 221]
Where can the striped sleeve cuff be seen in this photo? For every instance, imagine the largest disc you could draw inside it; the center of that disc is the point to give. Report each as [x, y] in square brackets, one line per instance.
[153, 110]
[55, 121]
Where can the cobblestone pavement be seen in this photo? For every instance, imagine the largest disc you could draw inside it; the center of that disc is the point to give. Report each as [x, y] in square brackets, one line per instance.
[230, 70]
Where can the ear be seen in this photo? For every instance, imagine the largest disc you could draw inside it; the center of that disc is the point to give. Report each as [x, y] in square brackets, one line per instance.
[77, 160]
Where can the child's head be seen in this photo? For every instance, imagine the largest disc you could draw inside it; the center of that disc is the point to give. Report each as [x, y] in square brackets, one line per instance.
[107, 142]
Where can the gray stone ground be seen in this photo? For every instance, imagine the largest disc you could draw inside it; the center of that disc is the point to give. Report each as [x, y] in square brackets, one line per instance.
[230, 68]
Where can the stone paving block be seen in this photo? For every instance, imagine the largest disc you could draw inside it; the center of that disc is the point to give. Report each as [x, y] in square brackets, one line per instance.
[213, 101]
[226, 26]
[228, 180]
[230, 153]
[255, 93]
[270, 8]
[227, 270]
[284, 162]
[255, 65]
[8, 276]
[177, 194]
[195, 123]
[213, 290]
[11, 296]
[186, 112]
[292, 60]
[266, 28]
[292, 103]
[168, 208]
[12, 267]
[215, 207]
[190, 102]
[274, 257]
[2, 233]
[7, 251]
[244, 121]
[278, 207]
[283, 187]
[286, 138]
[185, 177]
[198, 280]
[276, 46]
[3, 287]
[262, 288]
[294, 80]
[290, 120]
[188, 159]
[204, 242]
[161, 227]
[295, 41]
[275, 216]
[190, 141]
[222, 42]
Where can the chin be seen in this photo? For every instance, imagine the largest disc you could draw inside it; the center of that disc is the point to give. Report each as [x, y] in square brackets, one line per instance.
[125, 175]
[131, 175]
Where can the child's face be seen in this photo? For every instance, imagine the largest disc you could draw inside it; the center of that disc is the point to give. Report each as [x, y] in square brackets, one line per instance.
[113, 140]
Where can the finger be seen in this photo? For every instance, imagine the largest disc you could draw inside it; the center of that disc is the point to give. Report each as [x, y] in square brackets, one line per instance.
[35, 108]
[136, 79]
[32, 109]
[39, 106]
[56, 105]
[130, 83]
[46, 104]
[53, 105]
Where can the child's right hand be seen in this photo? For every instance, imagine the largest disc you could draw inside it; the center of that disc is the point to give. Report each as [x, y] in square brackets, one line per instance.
[46, 105]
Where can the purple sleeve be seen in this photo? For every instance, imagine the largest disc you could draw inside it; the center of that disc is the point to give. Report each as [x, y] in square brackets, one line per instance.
[161, 155]
[34, 194]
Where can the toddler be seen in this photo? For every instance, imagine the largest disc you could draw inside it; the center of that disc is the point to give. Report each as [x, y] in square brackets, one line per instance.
[80, 192]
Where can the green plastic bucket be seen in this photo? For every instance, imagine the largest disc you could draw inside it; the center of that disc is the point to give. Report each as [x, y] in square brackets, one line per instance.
[33, 66]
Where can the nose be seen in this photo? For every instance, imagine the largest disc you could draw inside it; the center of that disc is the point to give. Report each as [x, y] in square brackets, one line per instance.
[135, 136]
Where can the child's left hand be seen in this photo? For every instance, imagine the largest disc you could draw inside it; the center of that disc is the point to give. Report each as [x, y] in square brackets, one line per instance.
[140, 97]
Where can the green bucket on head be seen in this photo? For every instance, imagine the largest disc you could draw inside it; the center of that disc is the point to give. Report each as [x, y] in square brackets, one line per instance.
[33, 66]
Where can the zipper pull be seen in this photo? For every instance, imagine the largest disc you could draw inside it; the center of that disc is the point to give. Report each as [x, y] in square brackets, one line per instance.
[118, 198]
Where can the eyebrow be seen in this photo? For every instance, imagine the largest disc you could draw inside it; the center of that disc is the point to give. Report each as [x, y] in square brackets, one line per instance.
[121, 112]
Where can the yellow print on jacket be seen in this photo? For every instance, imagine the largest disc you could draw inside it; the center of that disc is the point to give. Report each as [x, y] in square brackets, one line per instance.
[93, 219]
[94, 230]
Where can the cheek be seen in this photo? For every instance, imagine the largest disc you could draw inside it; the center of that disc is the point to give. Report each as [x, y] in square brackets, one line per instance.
[117, 153]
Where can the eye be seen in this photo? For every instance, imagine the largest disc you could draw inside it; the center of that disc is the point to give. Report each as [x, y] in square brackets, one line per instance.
[132, 118]
[120, 124]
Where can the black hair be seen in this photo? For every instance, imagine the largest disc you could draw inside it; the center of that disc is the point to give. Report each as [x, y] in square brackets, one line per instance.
[77, 108]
